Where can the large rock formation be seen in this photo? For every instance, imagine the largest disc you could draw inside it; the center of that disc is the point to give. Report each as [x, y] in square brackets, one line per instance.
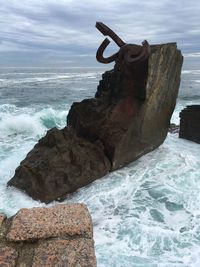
[190, 123]
[57, 236]
[128, 117]
[59, 164]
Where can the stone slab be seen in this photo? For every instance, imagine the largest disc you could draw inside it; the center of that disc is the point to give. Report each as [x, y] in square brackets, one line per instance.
[60, 220]
[65, 253]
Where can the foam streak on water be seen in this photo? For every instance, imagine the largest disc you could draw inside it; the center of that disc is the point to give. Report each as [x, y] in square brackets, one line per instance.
[146, 214]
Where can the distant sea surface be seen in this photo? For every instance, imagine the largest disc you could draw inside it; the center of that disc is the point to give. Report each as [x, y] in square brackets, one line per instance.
[146, 214]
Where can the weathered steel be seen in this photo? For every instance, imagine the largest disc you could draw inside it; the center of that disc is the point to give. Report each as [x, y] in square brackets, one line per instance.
[130, 53]
[105, 30]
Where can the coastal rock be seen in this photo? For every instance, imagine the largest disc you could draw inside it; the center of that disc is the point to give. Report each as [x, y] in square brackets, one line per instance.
[129, 117]
[190, 123]
[57, 236]
[62, 220]
[59, 164]
[65, 253]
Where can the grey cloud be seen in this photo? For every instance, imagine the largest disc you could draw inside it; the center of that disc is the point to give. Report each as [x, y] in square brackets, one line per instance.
[67, 27]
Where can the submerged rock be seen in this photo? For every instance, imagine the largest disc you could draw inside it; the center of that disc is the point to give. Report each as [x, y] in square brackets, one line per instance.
[190, 123]
[129, 117]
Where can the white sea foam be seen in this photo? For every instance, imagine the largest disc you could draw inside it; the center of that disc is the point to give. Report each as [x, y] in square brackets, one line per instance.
[146, 214]
[195, 72]
[29, 119]
[40, 77]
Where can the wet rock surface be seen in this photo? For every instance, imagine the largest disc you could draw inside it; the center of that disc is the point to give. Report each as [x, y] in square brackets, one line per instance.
[57, 236]
[129, 117]
[59, 164]
[190, 123]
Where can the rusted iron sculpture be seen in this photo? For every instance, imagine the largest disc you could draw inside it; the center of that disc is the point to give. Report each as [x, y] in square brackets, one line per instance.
[130, 53]
[128, 117]
[131, 62]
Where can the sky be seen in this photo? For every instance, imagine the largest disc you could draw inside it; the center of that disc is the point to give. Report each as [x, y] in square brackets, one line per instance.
[62, 33]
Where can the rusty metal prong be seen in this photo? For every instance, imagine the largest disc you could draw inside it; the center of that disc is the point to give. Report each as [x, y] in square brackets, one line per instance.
[105, 30]
[99, 54]
[146, 50]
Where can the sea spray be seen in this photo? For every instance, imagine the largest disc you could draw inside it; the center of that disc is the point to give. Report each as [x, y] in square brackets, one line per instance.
[146, 214]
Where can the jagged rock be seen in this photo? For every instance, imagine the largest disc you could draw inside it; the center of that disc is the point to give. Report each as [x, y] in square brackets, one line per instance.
[59, 164]
[129, 116]
[131, 125]
[56, 236]
[190, 123]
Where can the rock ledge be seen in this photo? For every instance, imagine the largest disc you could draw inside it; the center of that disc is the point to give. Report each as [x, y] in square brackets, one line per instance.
[57, 236]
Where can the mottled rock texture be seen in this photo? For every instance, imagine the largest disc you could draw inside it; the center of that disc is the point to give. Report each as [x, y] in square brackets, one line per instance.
[57, 236]
[129, 117]
[59, 164]
[190, 123]
[38, 223]
[2, 218]
[76, 252]
[8, 256]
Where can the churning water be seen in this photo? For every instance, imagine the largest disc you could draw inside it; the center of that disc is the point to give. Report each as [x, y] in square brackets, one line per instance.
[146, 214]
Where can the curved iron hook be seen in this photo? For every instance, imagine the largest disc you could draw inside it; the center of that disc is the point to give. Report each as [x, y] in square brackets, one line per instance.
[105, 30]
[142, 56]
[100, 50]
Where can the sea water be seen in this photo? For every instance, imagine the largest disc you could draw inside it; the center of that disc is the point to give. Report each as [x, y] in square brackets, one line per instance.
[146, 214]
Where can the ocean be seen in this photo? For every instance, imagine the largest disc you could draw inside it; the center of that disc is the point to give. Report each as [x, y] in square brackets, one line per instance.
[146, 214]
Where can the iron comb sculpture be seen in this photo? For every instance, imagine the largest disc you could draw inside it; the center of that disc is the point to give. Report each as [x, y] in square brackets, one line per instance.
[130, 53]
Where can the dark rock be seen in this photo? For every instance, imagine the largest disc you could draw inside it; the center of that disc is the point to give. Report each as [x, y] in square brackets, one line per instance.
[173, 128]
[129, 117]
[59, 164]
[190, 123]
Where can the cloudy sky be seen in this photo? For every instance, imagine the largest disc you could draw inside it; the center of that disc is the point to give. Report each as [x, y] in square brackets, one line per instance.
[62, 32]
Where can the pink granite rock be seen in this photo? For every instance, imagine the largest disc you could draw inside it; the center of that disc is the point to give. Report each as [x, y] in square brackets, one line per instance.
[8, 256]
[58, 221]
[69, 253]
